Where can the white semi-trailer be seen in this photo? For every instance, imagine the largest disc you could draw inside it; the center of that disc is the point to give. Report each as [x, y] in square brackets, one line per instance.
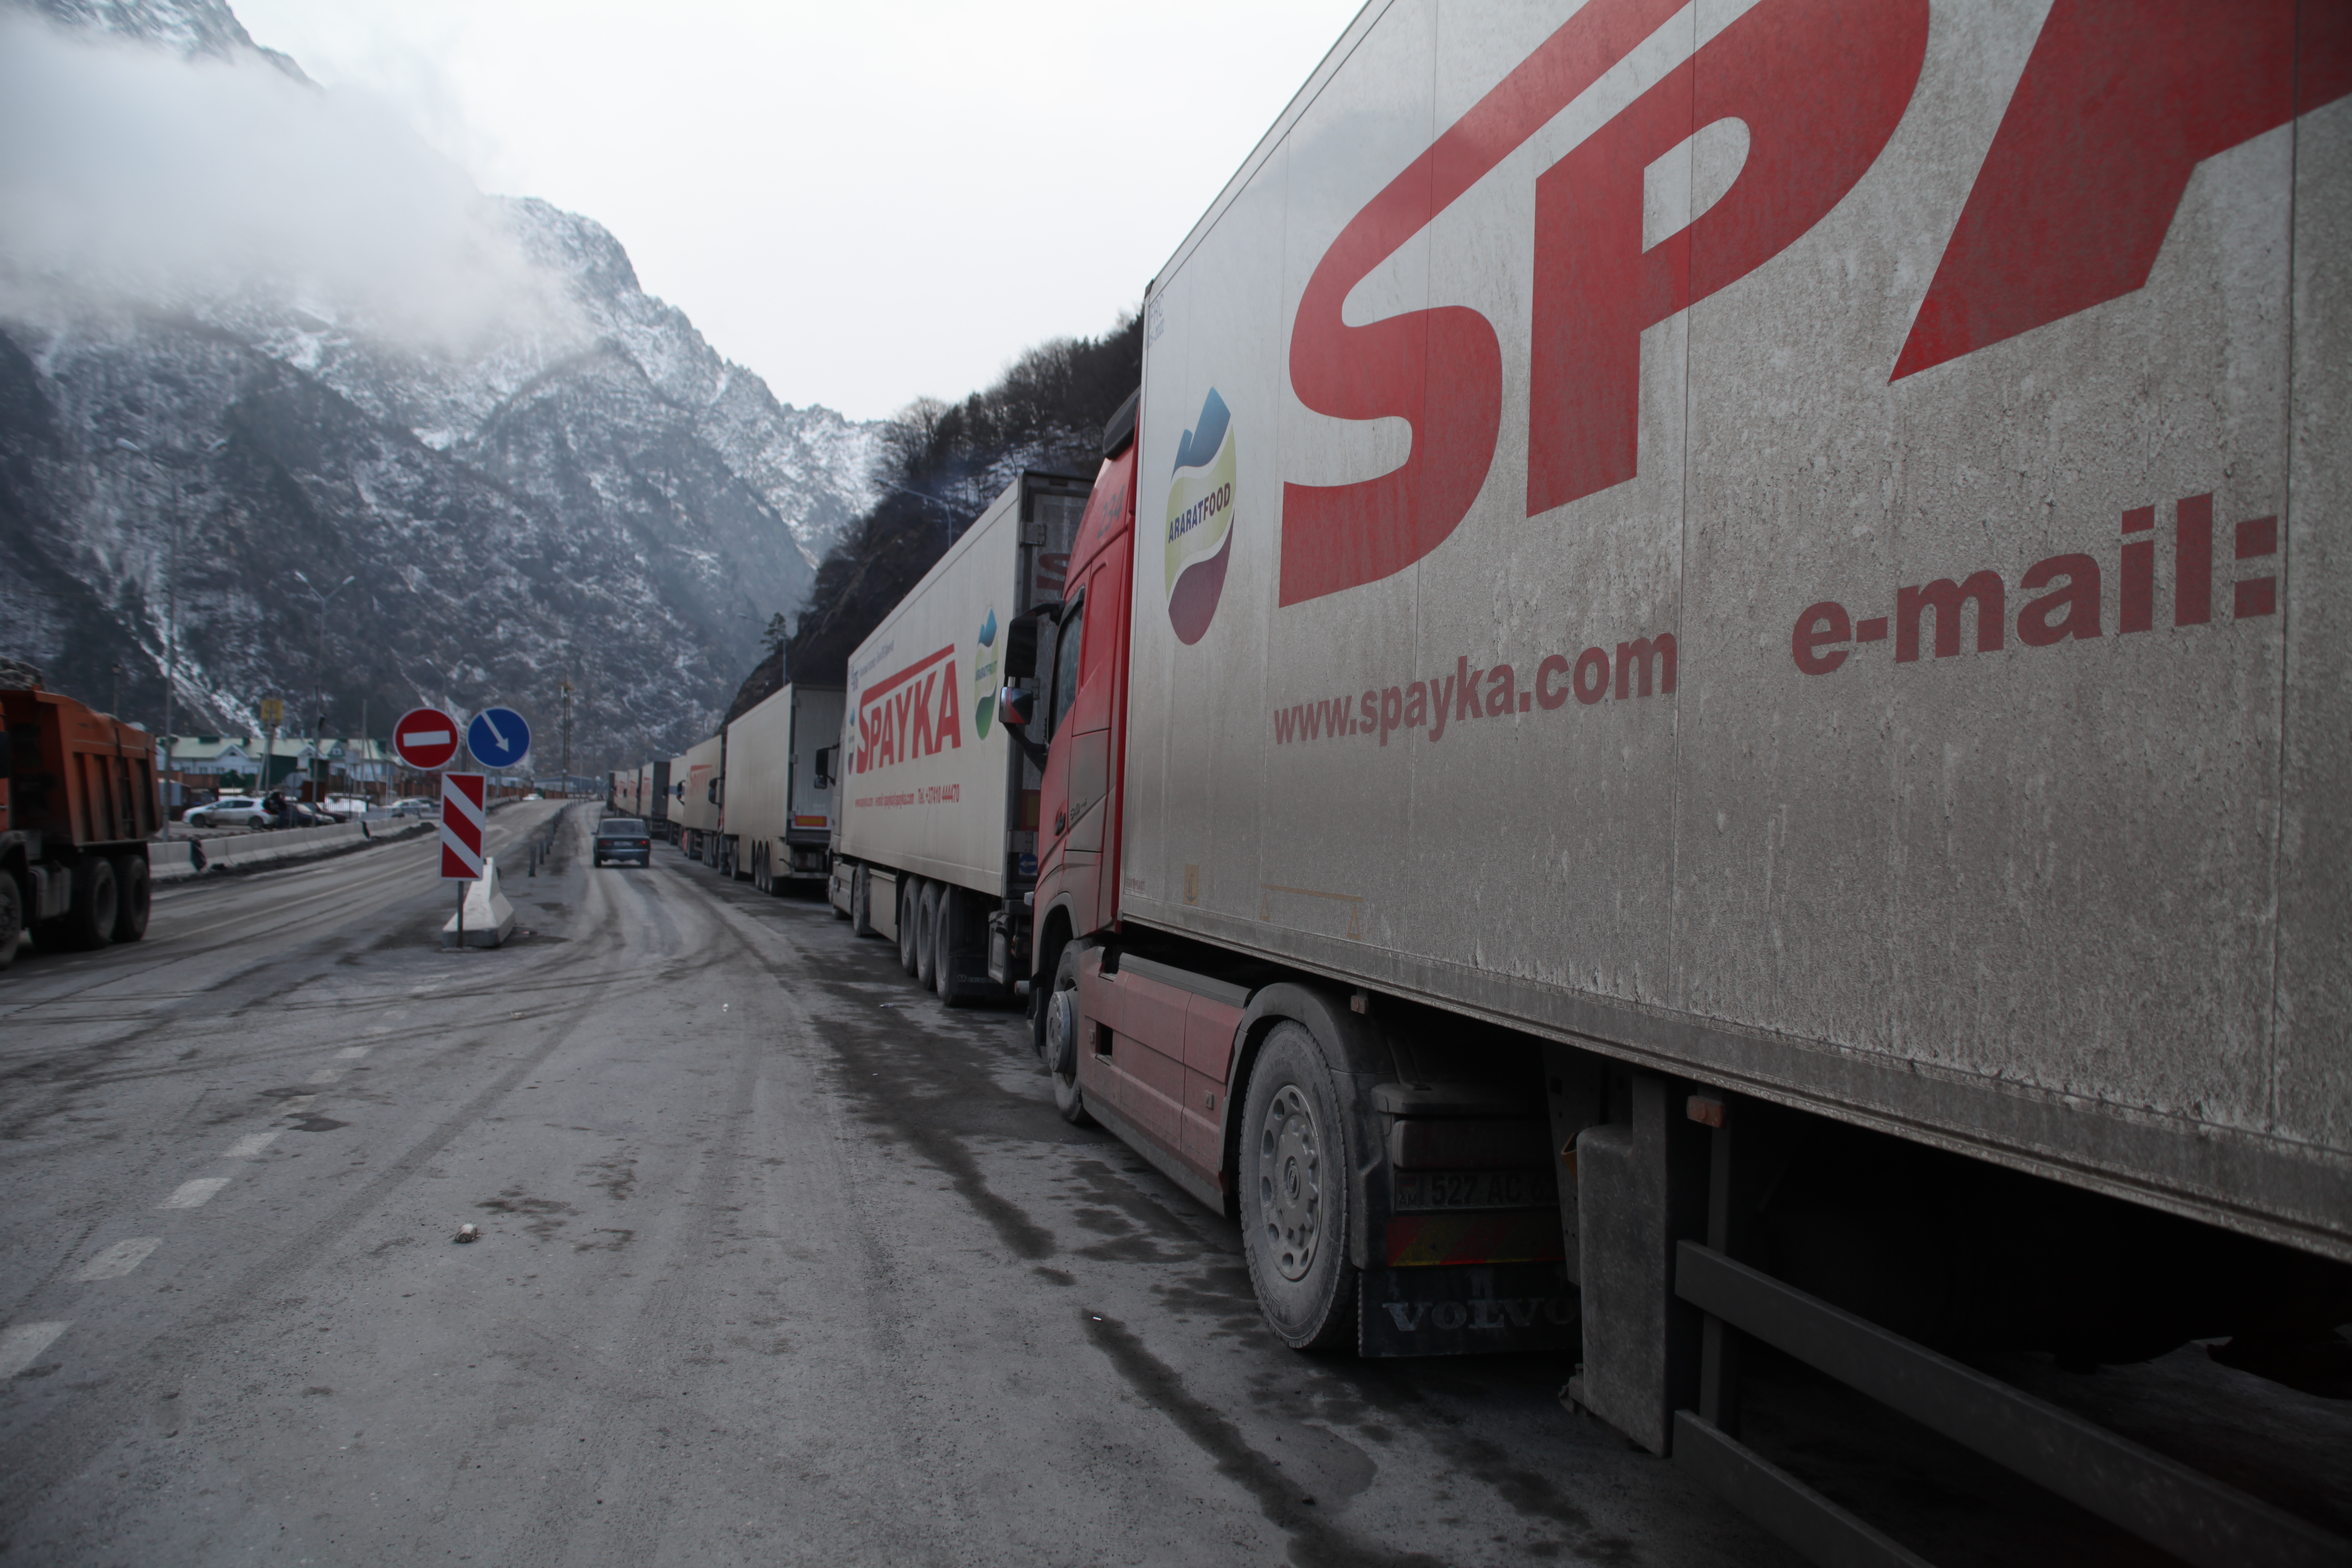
[779, 786]
[938, 807]
[660, 795]
[1712, 699]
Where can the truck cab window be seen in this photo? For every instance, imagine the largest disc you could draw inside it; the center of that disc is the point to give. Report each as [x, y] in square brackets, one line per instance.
[1065, 663]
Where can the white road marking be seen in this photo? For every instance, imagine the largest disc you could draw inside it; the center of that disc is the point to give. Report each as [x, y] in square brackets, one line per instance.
[195, 1195]
[250, 1145]
[351, 1053]
[294, 1102]
[119, 1259]
[21, 1342]
[324, 1075]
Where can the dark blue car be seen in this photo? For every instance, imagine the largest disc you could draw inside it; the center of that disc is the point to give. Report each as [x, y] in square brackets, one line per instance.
[623, 839]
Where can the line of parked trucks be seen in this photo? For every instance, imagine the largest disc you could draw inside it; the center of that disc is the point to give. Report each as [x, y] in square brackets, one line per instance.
[1704, 698]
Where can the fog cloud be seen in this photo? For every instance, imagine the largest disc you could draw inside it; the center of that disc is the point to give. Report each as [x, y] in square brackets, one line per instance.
[131, 176]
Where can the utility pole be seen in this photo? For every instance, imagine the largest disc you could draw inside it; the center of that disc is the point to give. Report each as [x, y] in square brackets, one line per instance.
[171, 657]
[318, 679]
[318, 665]
[567, 738]
[273, 708]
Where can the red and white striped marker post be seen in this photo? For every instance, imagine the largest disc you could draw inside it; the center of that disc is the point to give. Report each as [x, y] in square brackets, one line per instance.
[461, 837]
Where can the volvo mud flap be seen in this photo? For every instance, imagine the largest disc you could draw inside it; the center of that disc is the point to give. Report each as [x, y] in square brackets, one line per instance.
[1472, 1310]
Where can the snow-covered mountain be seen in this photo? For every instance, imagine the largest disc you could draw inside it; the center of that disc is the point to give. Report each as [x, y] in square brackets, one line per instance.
[533, 471]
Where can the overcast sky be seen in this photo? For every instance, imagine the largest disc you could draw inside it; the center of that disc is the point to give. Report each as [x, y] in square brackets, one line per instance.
[865, 204]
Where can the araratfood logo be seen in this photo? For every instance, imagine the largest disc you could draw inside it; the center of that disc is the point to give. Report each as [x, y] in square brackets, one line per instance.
[984, 677]
[1201, 521]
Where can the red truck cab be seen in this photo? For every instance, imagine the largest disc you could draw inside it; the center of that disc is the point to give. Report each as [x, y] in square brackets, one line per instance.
[1144, 1049]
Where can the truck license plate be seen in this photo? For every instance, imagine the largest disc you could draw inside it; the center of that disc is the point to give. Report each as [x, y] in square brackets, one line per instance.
[1474, 1189]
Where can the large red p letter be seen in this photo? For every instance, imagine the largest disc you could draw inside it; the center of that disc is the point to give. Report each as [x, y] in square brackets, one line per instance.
[1821, 85]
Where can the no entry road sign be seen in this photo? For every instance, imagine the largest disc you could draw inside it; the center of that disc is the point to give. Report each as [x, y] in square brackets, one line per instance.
[498, 738]
[425, 739]
[461, 827]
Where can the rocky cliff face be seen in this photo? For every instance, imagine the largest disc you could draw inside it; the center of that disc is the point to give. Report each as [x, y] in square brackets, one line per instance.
[562, 481]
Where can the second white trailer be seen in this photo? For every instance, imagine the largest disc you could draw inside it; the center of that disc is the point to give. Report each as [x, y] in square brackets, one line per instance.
[779, 789]
[939, 810]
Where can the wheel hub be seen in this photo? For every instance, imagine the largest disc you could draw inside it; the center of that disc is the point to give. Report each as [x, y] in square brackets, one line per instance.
[1062, 1033]
[1290, 1182]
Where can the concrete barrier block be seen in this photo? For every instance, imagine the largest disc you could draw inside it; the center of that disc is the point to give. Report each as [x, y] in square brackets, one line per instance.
[490, 919]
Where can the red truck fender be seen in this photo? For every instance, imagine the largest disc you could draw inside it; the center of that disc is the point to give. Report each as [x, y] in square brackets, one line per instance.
[1358, 1056]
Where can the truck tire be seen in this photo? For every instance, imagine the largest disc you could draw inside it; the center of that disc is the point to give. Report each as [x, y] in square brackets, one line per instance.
[943, 949]
[927, 931]
[1061, 1041]
[12, 920]
[134, 895]
[1295, 1192]
[90, 916]
[909, 891]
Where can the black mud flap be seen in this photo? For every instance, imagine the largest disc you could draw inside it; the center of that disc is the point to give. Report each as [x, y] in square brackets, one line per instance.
[1468, 1310]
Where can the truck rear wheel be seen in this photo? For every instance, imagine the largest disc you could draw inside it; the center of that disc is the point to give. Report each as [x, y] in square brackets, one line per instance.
[90, 916]
[1295, 1192]
[12, 920]
[134, 895]
[943, 947]
[909, 891]
[1061, 1042]
[927, 932]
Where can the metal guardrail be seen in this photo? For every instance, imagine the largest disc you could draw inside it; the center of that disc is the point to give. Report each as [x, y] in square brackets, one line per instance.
[2162, 1501]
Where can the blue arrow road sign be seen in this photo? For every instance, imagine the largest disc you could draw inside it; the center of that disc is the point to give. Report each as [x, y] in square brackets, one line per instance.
[498, 738]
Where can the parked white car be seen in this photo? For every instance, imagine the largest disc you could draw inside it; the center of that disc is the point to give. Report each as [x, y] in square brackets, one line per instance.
[229, 811]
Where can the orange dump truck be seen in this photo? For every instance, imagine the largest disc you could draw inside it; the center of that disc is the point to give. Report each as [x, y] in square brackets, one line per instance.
[79, 800]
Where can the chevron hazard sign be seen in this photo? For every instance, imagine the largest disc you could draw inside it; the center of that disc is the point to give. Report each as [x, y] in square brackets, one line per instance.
[461, 827]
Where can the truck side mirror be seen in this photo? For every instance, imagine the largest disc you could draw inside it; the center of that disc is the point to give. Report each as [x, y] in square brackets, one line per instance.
[1013, 708]
[1021, 649]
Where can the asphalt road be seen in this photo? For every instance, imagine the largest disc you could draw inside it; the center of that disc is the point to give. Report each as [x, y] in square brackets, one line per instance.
[780, 1261]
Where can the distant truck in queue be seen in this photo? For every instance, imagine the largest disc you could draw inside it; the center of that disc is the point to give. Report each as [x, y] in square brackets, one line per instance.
[1685, 711]
[778, 787]
[653, 784]
[78, 801]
